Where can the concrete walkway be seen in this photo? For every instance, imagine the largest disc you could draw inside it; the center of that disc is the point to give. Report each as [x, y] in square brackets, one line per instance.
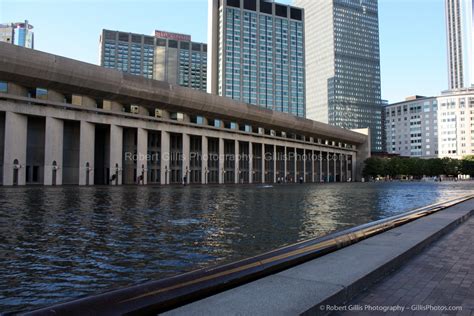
[440, 277]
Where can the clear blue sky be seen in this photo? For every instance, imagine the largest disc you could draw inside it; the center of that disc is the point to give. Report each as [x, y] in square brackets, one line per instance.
[412, 33]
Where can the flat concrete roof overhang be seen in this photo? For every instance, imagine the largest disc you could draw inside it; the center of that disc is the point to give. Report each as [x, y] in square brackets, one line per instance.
[38, 69]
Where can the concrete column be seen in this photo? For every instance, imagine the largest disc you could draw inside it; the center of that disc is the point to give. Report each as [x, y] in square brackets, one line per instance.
[142, 151]
[296, 165]
[334, 165]
[236, 162]
[16, 127]
[116, 149]
[250, 162]
[285, 158]
[165, 157]
[354, 168]
[304, 165]
[340, 167]
[86, 153]
[53, 151]
[274, 163]
[263, 163]
[363, 152]
[313, 157]
[204, 157]
[221, 160]
[320, 166]
[84, 101]
[186, 158]
[347, 167]
[327, 166]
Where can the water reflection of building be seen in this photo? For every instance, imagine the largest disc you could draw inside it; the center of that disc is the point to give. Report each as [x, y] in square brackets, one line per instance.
[67, 122]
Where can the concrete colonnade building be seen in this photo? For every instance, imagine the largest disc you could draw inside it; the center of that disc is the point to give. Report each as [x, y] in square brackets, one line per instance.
[68, 122]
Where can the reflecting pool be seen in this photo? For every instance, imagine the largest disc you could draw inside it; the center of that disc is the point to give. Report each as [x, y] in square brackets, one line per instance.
[57, 243]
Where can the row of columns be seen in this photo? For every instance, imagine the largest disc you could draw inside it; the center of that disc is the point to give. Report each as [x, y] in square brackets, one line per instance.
[16, 147]
[165, 148]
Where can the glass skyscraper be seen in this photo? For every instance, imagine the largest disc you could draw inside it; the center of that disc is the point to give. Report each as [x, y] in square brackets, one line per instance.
[460, 41]
[20, 34]
[257, 54]
[343, 64]
[170, 57]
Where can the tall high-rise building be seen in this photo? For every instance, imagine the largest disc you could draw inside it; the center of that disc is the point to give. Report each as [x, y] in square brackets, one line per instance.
[19, 33]
[460, 37]
[170, 57]
[256, 53]
[343, 64]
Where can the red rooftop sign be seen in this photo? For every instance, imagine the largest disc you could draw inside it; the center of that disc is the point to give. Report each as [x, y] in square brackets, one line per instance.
[173, 36]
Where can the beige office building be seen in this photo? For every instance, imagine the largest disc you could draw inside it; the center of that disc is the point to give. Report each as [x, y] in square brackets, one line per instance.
[411, 127]
[441, 126]
[166, 56]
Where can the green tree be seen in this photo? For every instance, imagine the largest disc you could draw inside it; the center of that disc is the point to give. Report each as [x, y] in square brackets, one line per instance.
[450, 166]
[397, 166]
[414, 167]
[467, 165]
[433, 167]
[374, 167]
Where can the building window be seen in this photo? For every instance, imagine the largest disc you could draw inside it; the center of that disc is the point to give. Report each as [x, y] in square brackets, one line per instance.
[3, 87]
[41, 93]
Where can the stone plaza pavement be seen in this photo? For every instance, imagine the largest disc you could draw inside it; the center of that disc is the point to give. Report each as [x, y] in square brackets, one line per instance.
[442, 275]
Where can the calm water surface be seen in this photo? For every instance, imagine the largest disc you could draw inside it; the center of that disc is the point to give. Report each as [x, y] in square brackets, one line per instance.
[58, 243]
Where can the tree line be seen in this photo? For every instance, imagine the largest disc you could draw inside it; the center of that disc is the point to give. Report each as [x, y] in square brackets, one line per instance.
[398, 167]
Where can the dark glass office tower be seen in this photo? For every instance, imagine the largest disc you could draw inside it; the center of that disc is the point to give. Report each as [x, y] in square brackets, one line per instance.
[343, 64]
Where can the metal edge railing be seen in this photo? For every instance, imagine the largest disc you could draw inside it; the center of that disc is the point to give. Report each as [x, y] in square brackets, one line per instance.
[162, 295]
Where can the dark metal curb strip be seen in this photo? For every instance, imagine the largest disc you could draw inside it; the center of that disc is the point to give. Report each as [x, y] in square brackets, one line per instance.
[159, 296]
